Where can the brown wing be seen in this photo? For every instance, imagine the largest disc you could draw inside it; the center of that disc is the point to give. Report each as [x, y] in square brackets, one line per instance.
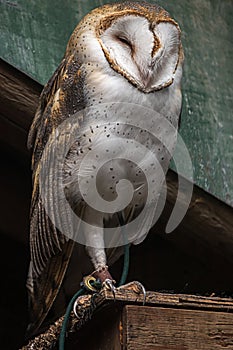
[50, 250]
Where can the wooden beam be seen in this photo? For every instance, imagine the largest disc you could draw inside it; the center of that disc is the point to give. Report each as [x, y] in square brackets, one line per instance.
[19, 96]
[129, 294]
[123, 322]
[208, 220]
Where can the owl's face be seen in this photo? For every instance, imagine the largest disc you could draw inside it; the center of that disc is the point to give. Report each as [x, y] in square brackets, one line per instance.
[140, 42]
[145, 55]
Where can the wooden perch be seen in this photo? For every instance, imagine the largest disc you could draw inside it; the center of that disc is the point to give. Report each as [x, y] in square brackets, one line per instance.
[167, 321]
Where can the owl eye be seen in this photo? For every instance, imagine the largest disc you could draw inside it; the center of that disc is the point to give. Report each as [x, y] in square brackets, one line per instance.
[124, 41]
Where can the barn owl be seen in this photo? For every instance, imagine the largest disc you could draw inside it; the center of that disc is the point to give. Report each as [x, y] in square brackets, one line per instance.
[119, 82]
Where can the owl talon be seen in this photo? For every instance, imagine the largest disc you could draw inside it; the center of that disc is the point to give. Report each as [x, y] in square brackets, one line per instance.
[136, 287]
[109, 284]
[141, 289]
[106, 279]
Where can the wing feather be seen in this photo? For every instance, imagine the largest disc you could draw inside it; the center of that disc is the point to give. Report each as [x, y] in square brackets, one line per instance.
[50, 249]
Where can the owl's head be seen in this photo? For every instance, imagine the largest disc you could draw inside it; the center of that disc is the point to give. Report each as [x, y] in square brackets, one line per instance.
[140, 41]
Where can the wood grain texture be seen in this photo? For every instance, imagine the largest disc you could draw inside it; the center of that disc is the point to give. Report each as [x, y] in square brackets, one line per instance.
[19, 97]
[124, 323]
[170, 329]
[127, 295]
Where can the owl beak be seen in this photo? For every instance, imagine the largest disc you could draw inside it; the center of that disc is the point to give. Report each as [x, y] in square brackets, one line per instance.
[146, 78]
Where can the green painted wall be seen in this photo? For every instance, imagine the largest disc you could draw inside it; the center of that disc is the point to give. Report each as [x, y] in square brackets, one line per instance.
[34, 36]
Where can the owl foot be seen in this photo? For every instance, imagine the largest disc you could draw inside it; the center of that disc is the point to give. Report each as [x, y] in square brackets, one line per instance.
[105, 278]
[110, 285]
[136, 287]
[102, 274]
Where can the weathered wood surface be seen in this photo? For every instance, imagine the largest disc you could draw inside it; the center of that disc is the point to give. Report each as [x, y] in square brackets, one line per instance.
[166, 299]
[19, 96]
[110, 330]
[152, 328]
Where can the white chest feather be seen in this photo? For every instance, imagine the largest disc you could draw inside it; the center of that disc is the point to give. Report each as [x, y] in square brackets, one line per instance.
[103, 85]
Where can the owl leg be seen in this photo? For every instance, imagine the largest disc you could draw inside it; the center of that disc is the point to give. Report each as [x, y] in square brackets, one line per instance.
[96, 250]
[98, 258]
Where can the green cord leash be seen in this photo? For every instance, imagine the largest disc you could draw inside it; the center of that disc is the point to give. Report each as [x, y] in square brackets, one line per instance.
[66, 318]
[82, 291]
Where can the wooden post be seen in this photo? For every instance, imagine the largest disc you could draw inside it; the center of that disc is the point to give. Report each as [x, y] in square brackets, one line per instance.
[160, 328]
